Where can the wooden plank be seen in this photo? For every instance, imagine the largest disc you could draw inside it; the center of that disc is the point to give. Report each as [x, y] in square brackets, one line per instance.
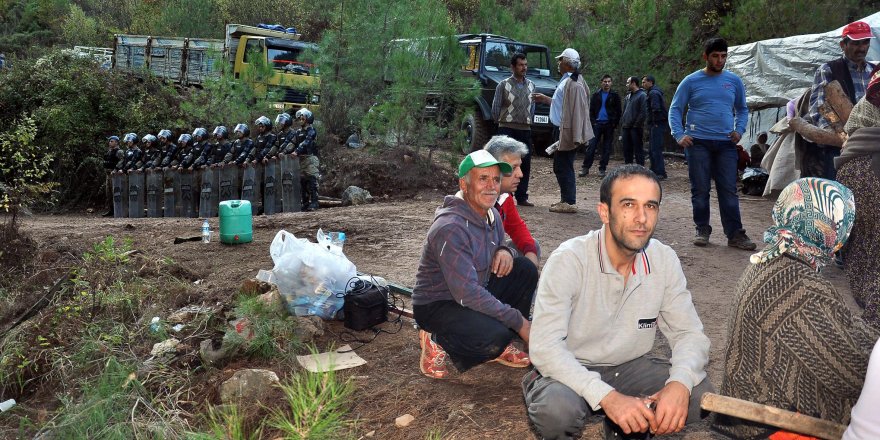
[839, 101]
[768, 415]
[815, 134]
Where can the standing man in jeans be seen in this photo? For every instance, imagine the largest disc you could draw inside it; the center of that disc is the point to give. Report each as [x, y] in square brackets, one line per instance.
[604, 116]
[635, 110]
[513, 110]
[657, 125]
[570, 115]
[716, 118]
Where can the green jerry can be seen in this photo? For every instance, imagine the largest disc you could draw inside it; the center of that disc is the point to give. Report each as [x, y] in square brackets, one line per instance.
[236, 222]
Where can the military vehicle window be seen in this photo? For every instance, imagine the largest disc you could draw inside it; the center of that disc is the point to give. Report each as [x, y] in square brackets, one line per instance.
[498, 57]
[473, 56]
[289, 60]
[252, 51]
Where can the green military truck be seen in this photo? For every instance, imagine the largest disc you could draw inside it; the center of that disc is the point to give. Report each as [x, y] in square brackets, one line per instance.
[294, 81]
[488, 60]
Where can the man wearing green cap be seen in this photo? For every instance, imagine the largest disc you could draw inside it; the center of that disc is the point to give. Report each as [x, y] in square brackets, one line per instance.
[472, 294]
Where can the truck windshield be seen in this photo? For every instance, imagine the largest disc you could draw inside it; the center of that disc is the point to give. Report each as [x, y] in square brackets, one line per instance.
[290, 60]
[498, 57]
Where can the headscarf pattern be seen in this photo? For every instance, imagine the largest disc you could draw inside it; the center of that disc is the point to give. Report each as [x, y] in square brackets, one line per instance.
[812, 219]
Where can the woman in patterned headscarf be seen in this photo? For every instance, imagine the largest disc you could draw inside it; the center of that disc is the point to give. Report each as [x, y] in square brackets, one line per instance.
[793, 343]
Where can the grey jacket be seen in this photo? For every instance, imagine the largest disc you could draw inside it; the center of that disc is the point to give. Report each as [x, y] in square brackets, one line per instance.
[586, 316]
[635, 109]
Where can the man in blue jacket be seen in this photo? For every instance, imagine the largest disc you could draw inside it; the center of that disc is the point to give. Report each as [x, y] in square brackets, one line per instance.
[472, 294]
[716, 118]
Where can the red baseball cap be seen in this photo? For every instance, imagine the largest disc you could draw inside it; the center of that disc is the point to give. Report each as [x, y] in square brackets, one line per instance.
[857, 30]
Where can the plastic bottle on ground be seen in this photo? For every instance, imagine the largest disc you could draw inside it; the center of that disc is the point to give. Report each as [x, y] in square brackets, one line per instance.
[206, 232]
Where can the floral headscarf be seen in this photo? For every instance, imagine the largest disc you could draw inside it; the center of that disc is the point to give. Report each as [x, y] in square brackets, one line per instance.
[813, 218]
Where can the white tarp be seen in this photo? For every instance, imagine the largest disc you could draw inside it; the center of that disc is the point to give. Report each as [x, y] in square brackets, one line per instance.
[776, 71]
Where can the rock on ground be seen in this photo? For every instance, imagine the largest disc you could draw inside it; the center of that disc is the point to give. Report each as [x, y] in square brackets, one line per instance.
[250, 385]
[355, 196]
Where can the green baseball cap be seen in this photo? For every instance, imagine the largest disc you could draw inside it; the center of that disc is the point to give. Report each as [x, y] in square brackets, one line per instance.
[481, 159]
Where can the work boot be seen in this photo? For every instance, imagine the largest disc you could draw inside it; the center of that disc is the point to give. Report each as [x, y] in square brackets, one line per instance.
[562, 207]
[513, 357]
[702, 237]
[742, 241]
[432, 361]
[108, 213]
[584, 172]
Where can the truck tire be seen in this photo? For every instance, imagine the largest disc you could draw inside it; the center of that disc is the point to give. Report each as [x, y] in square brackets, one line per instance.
[476, 132]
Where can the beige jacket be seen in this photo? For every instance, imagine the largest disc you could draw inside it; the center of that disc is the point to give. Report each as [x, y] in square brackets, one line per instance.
[575, 128]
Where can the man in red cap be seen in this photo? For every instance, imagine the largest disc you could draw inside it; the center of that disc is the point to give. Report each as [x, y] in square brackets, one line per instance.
[853, 73]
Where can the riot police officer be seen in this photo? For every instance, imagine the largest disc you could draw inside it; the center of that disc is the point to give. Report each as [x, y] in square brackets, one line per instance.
[199, 145]
[307, 151]
[133, 153]
[243, 144]
[152, 157]
[265, 139]
[169, 150]
[186, 152]
[286, 134]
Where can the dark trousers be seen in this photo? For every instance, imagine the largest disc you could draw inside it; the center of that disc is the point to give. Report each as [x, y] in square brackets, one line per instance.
[714, 160]
[632, 143]
[563, 168]
[470, 337]
[560, 413]
[604, 132]
[525, 136]
[655, 137]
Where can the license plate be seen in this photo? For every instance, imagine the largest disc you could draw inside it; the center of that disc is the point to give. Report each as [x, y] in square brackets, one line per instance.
[278, 105]
[541, 119]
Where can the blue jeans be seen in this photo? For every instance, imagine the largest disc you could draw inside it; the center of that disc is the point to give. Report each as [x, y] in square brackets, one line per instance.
[525, 136]
[716, 160]
[632, 143]
[604, 132]
[656, 139]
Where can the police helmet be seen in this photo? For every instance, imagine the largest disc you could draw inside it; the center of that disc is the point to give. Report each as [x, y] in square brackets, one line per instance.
[184, 139]
[243, 128]
[130, 137]
[221, 131]
[264, 121]
[113, 138]
[283, 120]
[164, 134]
[149, 138]
[200, 133]
[304, 112]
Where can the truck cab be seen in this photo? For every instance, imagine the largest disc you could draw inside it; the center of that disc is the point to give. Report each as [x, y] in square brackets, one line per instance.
[488, 60]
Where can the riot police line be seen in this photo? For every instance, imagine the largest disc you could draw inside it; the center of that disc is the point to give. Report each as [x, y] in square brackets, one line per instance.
[276, 172]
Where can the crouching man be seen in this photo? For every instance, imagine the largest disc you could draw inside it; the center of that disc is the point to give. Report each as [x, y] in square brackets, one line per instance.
[472, 293]
[601, 298]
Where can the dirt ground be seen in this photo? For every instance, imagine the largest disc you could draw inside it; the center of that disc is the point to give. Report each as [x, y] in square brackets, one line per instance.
[385, 238]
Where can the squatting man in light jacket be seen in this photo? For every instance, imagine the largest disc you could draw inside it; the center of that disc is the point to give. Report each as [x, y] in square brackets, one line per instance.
[601, 298]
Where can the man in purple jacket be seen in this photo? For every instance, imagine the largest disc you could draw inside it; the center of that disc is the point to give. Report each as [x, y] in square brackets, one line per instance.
[472, 294]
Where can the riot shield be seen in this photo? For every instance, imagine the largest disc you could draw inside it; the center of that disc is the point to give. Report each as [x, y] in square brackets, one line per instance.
[154, 193]
[207, 191]
[136, 194]
[187, 193]
[248, 181]
[269, 187]
[171, 185]
[229, 189]
[258, 188]
[215, 195]
[120, 195]
[291, 195]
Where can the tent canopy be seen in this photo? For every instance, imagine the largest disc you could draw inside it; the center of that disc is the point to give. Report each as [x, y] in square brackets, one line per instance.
[778, 70]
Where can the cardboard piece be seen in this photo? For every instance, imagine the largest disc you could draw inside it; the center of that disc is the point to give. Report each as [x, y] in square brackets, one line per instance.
[331, 360]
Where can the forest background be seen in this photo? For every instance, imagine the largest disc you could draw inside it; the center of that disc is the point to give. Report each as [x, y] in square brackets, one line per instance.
[48, 99]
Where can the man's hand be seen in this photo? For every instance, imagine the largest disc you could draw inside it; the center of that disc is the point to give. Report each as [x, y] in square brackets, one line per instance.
[542, 98]
[525, 330]
[686, 141]
[734, 137]
[630, 413]
[502, 263]
[671, 408]
[532, 257]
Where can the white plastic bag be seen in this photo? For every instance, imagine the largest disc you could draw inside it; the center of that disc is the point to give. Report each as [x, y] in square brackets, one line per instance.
[304, 270]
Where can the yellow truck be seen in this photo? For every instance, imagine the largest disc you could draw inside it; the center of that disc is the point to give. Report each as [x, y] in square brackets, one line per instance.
[294, 80]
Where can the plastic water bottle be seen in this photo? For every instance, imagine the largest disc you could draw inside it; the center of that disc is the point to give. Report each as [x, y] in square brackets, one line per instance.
[155, 324]
[338, 238]
[206, 232]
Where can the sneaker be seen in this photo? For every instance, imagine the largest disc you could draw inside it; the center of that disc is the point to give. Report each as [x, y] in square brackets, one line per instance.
[741, 241]
[562, 207]
[584, 172]
[432, 362]
[525, 203]
[702, 237]
[513, 357]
